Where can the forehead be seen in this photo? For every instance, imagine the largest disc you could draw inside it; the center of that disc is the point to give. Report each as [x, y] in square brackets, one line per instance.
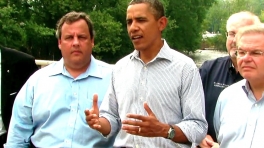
[236, 25]
[252, 41]
[139, 10]
[77, 26]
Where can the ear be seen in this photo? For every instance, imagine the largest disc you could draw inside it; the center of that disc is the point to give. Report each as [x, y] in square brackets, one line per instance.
[59, 43]
[162, 23]
[92, 42]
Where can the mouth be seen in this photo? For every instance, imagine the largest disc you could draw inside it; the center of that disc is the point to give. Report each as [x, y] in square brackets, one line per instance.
[247, 67]
[76, 52]
[136, 37]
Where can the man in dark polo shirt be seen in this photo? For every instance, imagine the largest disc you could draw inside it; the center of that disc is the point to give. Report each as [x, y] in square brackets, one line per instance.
[219, 73]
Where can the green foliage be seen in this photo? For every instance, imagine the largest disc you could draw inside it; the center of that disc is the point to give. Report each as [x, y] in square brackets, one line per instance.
[218, 14]
[34, 23]
[107, 39]
[188, 15]
[217, 42]
[261, 17]
[11, 30]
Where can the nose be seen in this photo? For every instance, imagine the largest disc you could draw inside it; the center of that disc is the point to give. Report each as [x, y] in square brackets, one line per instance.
[132, 27]
[75, 41]
[247, 57]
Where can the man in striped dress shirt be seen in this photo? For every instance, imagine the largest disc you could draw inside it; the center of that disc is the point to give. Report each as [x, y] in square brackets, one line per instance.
[155, 97]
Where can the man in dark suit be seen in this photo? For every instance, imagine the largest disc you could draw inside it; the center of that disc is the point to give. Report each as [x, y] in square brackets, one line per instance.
[16, 68]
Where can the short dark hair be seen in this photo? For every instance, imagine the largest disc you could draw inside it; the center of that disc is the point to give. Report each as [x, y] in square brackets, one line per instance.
[155, 5]
[72, 17]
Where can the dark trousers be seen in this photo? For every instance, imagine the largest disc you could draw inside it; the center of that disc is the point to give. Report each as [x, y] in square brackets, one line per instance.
[3, 140]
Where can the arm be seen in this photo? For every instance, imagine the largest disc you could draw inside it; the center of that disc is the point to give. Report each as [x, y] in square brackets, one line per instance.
[208, 141]
[21, 126]
[193, 125]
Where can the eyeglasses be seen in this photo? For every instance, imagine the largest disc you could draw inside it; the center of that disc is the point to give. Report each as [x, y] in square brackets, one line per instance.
[242, 53]
[230, 34]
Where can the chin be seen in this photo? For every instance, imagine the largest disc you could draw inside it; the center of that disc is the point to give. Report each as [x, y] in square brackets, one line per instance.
[248, 76]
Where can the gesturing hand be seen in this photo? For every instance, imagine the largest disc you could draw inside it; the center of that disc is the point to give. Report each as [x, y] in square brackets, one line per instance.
[92, 115]
[147, 126]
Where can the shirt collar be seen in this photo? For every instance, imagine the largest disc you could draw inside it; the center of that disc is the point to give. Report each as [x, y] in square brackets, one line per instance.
[246, 87]
[93, 69]
[164, 53]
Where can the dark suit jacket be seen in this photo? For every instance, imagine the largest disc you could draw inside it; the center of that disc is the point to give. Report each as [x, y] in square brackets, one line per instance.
[16, 68]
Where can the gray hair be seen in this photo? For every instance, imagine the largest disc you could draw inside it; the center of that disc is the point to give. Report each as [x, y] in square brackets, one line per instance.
[242, 16]
[258, 29]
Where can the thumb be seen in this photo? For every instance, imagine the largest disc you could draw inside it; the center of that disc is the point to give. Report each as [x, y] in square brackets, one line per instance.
[209, 142]
[149, 111]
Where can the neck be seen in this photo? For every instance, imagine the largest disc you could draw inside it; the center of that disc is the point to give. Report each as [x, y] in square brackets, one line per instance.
[257, 89]
[150, 53]
[76, 70]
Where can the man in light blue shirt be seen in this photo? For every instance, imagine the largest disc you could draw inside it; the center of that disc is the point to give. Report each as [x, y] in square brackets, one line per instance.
[49, 109]
[238, 117]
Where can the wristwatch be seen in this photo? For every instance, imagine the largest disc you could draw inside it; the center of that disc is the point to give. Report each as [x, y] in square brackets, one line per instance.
[171, 132]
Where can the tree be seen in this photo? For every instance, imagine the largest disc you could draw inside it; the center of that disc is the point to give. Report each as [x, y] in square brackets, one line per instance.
[216, 18]
[34, 23]
[188, 15]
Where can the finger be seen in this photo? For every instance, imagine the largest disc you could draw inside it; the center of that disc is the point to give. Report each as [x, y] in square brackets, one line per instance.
[149, 111]
[95, 100]
[135, 116]
[132, 129]
[93, 121]
[132, 122]
[86, 112]
[89, 116]
[95, 109]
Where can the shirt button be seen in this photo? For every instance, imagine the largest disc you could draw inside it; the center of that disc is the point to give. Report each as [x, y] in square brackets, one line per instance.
[256, 105]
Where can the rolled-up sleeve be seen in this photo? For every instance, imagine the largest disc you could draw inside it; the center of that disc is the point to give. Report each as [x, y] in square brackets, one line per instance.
[193, 124]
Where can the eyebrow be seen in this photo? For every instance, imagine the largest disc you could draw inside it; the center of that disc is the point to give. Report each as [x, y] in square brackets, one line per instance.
[231, 32]
[138, 18]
